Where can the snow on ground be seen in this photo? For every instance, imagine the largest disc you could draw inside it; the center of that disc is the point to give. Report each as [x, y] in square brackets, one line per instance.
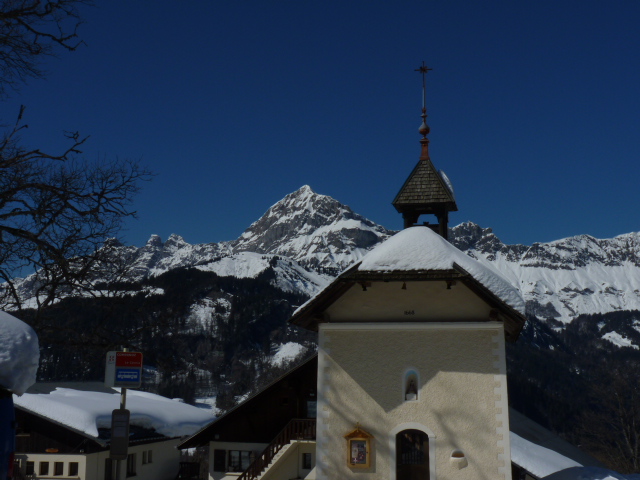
[19, 354]
[203, 311]
[617, 339]
[536, 459]
[87, 411]
[590, 473]
[241, 265]
[209, 403]
[420, 248]
[286, 353]
[290, 276]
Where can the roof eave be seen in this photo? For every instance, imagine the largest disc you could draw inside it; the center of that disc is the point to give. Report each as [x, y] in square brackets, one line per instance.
[96, 440]
[514, 320]
[312, 314]
[198, 439]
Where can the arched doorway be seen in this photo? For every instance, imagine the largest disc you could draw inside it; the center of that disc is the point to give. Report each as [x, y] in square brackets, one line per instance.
[412, 455]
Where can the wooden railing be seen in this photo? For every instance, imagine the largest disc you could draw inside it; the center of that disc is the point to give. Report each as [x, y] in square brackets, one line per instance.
[296, 429]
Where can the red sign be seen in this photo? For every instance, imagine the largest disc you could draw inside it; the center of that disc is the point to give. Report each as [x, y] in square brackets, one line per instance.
[129, 359]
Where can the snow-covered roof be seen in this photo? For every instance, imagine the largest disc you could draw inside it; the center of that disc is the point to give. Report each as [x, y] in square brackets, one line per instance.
[87, 411]
[537, 459]
[591, 473]
[418, 253]
[421, 249]
[19, 354]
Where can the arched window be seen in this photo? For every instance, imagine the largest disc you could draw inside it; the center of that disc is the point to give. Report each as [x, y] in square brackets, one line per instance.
[412, 455]
[410, 392]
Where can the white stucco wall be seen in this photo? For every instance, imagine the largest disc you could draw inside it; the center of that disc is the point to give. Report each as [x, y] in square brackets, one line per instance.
[462, 403]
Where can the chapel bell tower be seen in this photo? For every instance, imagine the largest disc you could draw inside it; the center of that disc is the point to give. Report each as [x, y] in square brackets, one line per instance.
[426, 191]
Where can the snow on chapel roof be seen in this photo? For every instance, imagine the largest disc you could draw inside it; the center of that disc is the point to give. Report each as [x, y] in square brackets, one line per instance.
[421, 249]
[418, 253]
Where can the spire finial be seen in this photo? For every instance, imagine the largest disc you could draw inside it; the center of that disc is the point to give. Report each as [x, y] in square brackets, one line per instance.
[424, 128]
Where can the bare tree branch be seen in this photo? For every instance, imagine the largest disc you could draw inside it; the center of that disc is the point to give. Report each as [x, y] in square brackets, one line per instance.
[31, 30]
[55, 214]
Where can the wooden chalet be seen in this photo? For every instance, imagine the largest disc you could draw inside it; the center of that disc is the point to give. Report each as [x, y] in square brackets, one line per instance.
[246, 439]
[49, 448]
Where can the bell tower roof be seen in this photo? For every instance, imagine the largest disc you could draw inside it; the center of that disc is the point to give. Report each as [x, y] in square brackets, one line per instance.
[426, 191]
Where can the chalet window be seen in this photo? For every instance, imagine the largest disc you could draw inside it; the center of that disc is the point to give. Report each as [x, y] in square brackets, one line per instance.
[312, 408]
[239, 460]
[144, 457]
[219, 460]
[58, 468]
[150, 456]
[73, 469]
[31, 468]
[44, 468]
[306, 461]
[131, 465]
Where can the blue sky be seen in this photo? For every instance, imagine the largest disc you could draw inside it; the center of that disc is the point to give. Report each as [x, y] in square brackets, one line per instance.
[533, 107]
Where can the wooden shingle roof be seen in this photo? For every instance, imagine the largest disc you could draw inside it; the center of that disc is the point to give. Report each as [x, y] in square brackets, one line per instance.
[425, 190]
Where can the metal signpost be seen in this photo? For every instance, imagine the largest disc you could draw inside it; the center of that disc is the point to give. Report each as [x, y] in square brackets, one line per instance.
[124, 370]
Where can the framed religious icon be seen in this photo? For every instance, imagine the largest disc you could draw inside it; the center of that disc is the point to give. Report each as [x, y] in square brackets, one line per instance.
[358, 448]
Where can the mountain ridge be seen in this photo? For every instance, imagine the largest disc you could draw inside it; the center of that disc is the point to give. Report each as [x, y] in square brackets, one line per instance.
[306, 239]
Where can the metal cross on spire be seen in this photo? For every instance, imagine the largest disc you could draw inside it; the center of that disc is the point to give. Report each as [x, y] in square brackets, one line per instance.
[424, 128]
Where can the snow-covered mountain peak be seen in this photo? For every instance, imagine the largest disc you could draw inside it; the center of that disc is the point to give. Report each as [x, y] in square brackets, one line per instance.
[316, 230]
[304, 190]
[468, 236]
[154, 241]
[174, 242]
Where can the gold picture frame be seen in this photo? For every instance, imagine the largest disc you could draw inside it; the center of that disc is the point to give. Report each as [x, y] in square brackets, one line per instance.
[358, 448]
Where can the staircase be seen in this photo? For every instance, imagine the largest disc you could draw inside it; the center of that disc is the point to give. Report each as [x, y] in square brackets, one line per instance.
[296, 429]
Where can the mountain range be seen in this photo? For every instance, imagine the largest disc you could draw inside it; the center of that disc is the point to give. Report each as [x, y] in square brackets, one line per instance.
[306, 239]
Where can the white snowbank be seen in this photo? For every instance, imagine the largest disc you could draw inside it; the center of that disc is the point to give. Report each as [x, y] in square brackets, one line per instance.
[617, 339]
[420, 248]
[88, 411]
[590, 473]
[287, 352]
[536, 459]
[19, 354]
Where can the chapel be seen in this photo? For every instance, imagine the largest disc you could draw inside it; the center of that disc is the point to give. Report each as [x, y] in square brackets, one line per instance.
[411, 353]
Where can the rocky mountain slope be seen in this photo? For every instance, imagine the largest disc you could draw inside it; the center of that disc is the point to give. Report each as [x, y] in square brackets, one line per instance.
[563, 279]
[315, 230]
